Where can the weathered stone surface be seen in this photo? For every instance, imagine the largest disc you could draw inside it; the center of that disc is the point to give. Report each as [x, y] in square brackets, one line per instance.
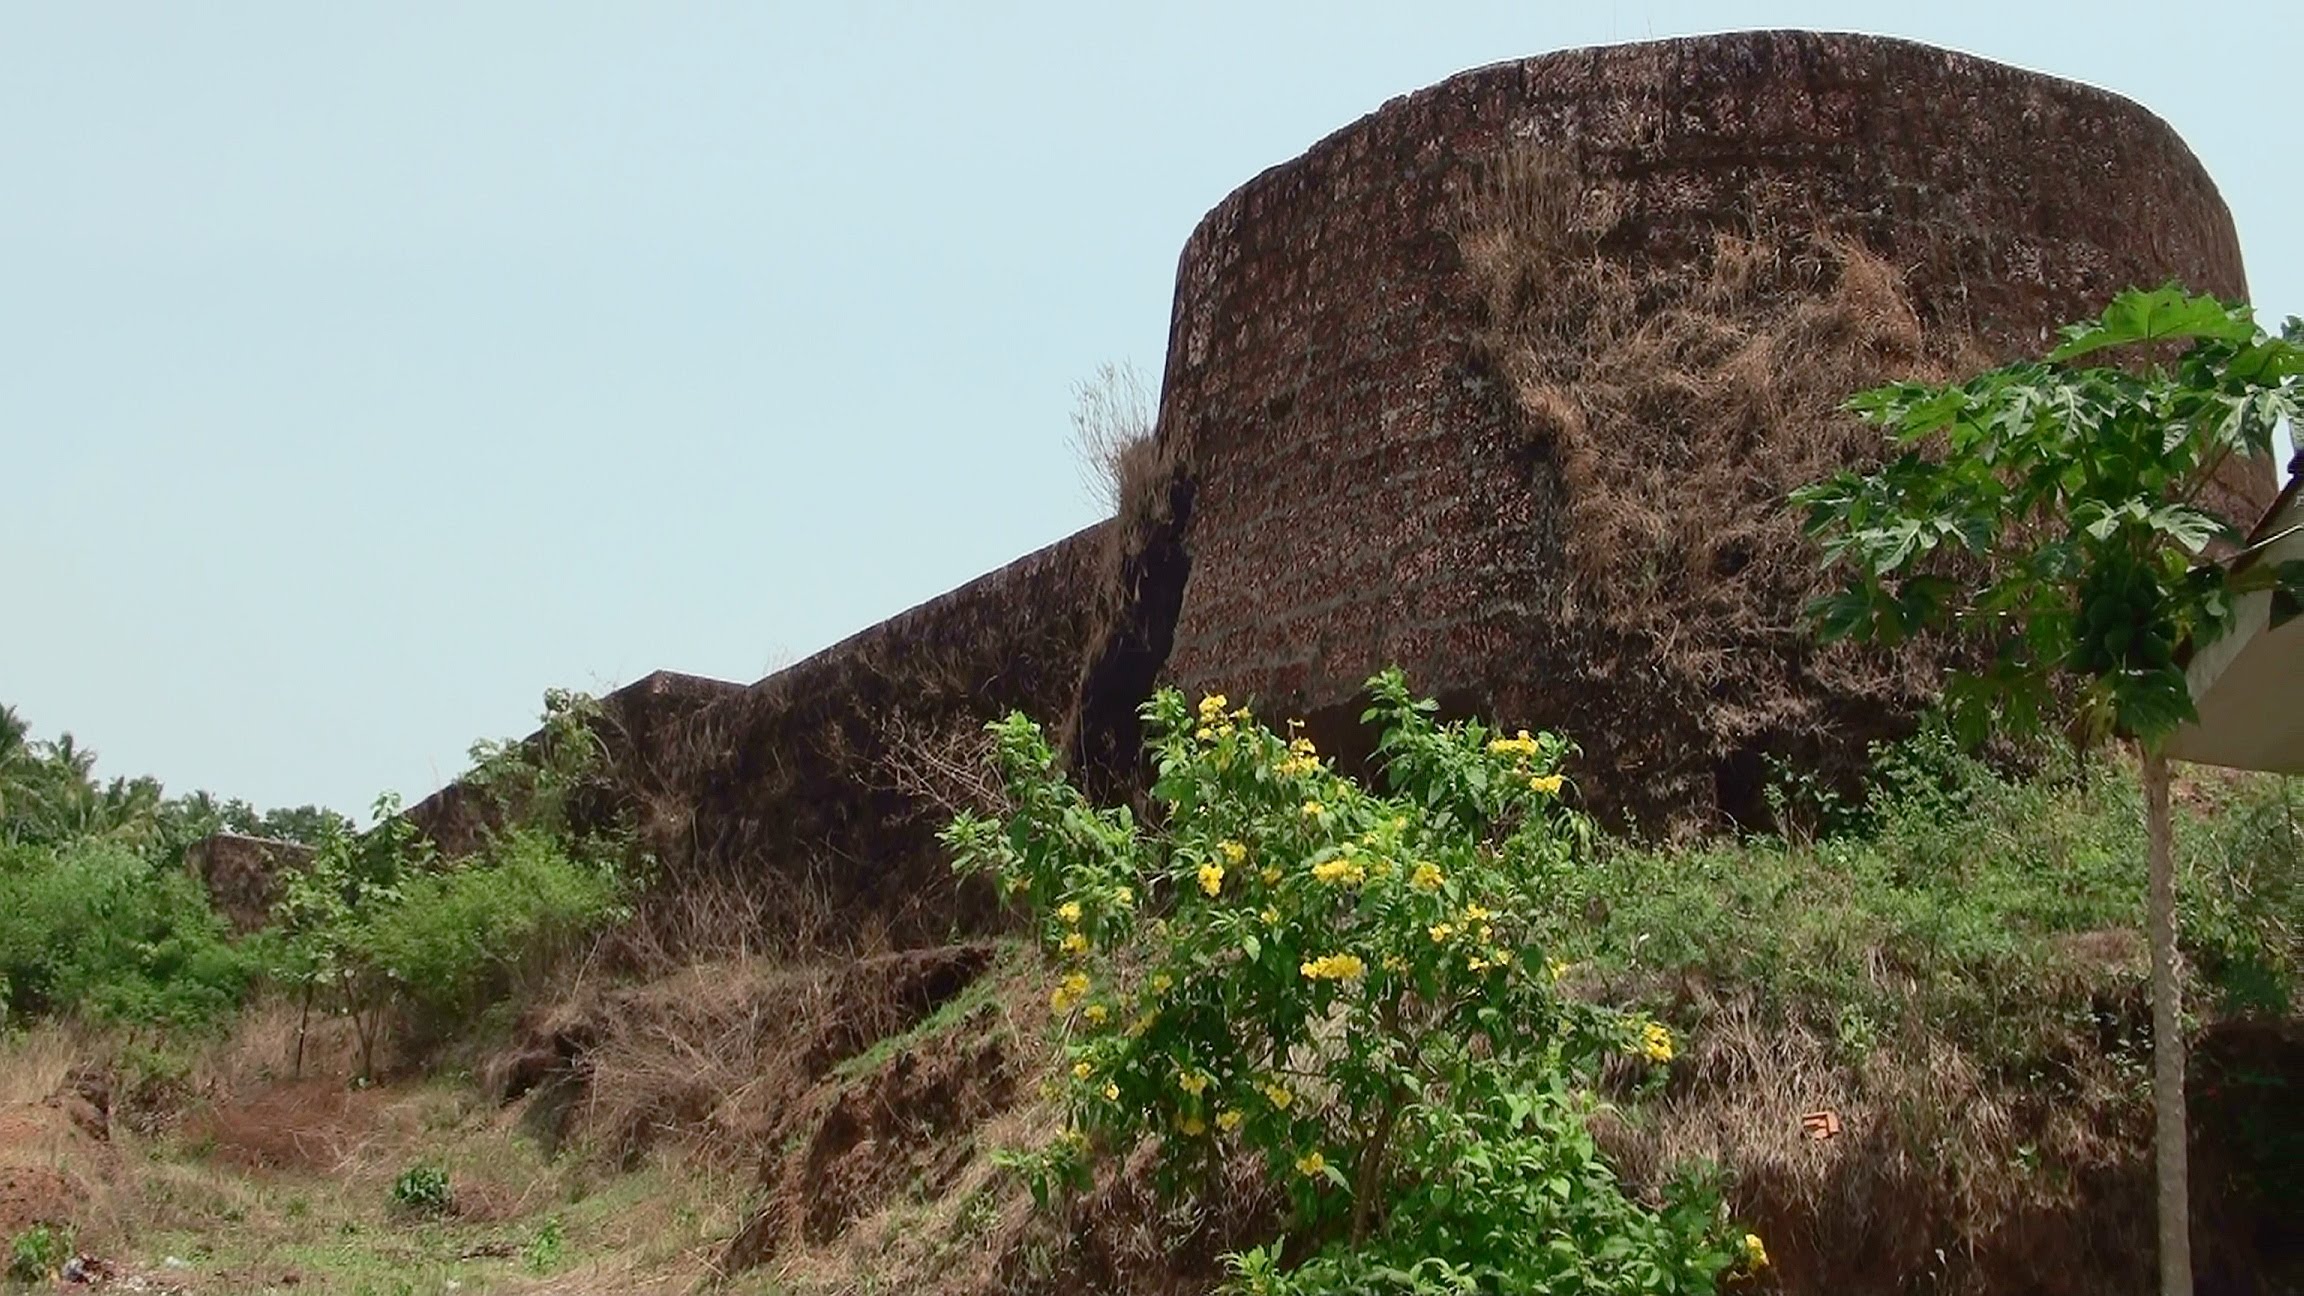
[806, 787]
[637, 724]
[1383, 440]
[242, 874]
[1366, 490]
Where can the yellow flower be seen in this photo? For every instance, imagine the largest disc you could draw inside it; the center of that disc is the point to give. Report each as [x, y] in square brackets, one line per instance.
[1082, 1070]
[1228, 1120]
[1440, 932]
[1069, 911]
[1211, 878]
[1548, 784]
[1334, 967]
[1204, 734]
[1335, 872]
[1271, 916]
[1476, 964]
[1558, 968]
[1142, 1024]
[1521, 745]
[1111, 1092]
[1297, 766]
[1313, 809]
[1233, 852]
[1095, 1013]
[1395, 964]
[1192, 1125]
[1069, 991]
[1161, 981]
[1656, 1042]
[1311, 1163]
[1427, 877]
[1212, 707]
[1192, 1082]
[1755, 1254]
[1123, 897]
[1477, 913]
[1271, 875]
[1073, 943]
[1277, 1094]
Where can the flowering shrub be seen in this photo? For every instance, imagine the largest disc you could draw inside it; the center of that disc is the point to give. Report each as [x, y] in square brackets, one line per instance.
[1348, 987]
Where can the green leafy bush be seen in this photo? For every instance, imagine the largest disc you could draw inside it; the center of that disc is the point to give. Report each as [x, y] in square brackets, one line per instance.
[546, 1246]
[422, 1190]
[39, 1252]
[94, 928]
[382, 929]
[1352, 989]
[1960, 895]
[451, 941]
[2056, 513]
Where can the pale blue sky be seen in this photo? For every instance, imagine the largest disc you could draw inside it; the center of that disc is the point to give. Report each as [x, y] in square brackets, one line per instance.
[365, 369]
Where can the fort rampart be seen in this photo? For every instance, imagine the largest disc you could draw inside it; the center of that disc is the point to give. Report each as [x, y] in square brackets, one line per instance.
[1504, 383]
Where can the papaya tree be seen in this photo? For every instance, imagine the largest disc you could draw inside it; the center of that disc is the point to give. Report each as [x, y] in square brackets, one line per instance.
[2058, 519]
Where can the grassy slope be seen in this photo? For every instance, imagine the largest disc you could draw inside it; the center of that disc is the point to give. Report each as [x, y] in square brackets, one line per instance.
[1959, 981]
[1963, 900]
[1959, 976]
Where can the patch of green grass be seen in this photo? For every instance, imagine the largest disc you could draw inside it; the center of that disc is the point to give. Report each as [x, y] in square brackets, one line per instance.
[37, 1253]
[980, 998]
[514, 1220]
[1966, 898]
[423, 1190]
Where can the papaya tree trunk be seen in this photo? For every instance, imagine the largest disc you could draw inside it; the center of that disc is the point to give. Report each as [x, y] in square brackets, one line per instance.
[2169, 1148]
[303, 1019]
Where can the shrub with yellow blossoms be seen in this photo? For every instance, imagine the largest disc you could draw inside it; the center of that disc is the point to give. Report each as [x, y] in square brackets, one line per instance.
[1346, 985]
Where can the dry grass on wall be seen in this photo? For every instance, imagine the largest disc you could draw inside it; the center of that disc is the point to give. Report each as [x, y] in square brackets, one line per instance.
[1677, 402]
[1941, 1168]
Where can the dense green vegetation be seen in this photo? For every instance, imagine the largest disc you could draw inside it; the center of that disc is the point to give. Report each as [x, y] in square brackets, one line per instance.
[95, 928]
[1353, 989]
[101, 921]
[1442, 1033]
[1953, 904]
[1952, 894]
[98, 917]
[50, 795]
[2057, 516]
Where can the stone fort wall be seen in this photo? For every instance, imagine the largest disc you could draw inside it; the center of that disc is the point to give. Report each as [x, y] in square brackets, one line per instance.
[1389, 433]
[1368, 486]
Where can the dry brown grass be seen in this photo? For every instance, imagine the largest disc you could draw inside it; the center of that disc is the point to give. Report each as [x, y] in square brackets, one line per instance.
[1678, 400]
[1932, 1145]
[944, 765]
[771, 918]
[1137, 596]
[1111, 432]
[34, 1063]
[729, 1057]
[689, 1058]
